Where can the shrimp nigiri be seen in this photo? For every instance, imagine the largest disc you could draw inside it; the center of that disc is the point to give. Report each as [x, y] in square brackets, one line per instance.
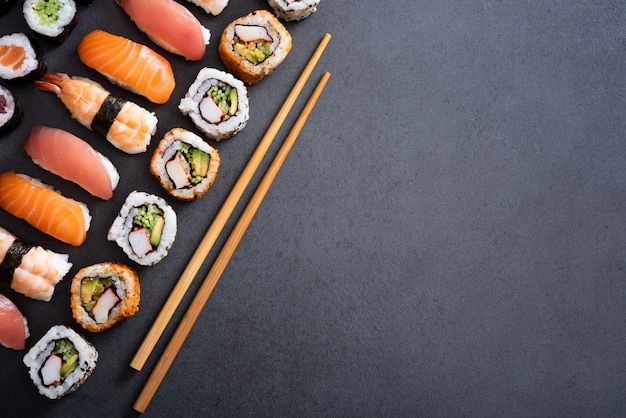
[128, 64]
[47, 210]
[31, 270]
[70, 157]
[126, 125]
[170, 25]
[13, 325]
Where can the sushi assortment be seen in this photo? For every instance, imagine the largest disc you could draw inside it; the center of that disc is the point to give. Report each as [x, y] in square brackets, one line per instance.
[185, 165]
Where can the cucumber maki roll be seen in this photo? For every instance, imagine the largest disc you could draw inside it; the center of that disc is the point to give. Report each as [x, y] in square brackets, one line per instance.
[184, 164]
[290, 10]
[252, 46]
[103, 295]
[217, 103]
[60, 362]
[53, 20]
[11, 112]
[21, 58]
[145, 228]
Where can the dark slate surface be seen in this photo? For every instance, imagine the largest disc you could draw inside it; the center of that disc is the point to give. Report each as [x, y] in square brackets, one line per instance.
[445, 239]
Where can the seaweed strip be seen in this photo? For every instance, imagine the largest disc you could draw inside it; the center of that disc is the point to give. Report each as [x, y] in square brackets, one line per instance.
[13, 259]
[106, 115]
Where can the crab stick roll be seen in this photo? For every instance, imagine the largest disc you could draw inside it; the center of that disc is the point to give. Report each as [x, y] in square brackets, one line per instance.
[11, 112]
[51, 19]
[290, 10]
[30, 270]
[145, 228]
[42, 207]
[184, 164]
[21, 58]
[217, 103]
[73, 159]
[60, 362]
[252, 46]
[13, 325]
[103, 295]
[126, 125]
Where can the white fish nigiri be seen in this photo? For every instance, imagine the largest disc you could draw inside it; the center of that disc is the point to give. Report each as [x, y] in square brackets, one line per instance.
[73, 159]
[170, 25]
[13, 325]
[213, 7]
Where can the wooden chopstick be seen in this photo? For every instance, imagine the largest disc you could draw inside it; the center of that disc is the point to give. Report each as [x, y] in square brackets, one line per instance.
[203, 249]
[224, 256]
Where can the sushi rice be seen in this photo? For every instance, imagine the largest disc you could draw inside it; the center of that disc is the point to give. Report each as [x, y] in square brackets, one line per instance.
[290, 10]
[52, 19]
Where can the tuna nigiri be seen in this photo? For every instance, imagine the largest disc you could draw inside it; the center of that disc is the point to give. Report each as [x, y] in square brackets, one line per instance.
[126, 125]
[70, 157]
[129, 64]
[47, 210]
[13, 325]
[170, 25]
[31, 270]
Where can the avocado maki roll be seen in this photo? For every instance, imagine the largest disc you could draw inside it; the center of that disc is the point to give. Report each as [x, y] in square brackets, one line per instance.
[184, 164]
[252, 46]
[21, 58]
[11, 113]
[51, 19]
[290, 10]
[145, 228]
[217, 103]
[103, 295]
[60, 362]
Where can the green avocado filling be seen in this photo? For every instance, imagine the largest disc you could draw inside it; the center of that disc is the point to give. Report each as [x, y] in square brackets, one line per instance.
[91, 288]
[65, 349]
[47, 11]
[150, 216]
[255, 52]
[225, 97]
[194, 161]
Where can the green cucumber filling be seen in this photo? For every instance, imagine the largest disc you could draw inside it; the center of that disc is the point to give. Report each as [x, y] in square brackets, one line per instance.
[225, 97]
[194, 161]
[150, 217]
[91, 288]
[65, 349]
[47, 11]
[255, 52]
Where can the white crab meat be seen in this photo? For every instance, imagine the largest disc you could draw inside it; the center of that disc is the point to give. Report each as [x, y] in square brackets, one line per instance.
[210, 111]
[139, 241]
[250, 33]
[103, 306]
[177, 172]
[51, 370]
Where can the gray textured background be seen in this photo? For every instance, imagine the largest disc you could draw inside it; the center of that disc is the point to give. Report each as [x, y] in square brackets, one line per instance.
[445, 239]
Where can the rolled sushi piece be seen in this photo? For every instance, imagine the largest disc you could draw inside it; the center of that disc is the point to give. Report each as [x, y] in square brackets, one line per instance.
[213, 7]
[21, 58]
[290, 10]
[30, 270]
[252, 46]
[217, 103]
[13, 325]
[103, 295]
[51, 19]
[11, 112]
[184, 164]
[145, 228]
[60, 362]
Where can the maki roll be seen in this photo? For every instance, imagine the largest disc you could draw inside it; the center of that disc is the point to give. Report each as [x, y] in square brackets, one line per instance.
[145, 228]
[51, 19]
[290, 10]
[60, 362]
[252, 46]
[30, 270]
[11, 113]
[184, 164]
[21, 58]
[217, 103]
[103, 295]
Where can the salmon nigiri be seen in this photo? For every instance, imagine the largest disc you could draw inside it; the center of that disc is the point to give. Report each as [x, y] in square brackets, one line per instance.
[129, 64]
[126, 125]
[170, 25]
[31, 270]
[47, 210]
[70, 157]
[13, 325]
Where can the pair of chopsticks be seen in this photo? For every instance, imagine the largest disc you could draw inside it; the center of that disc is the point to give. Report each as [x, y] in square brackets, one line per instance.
[233, 240]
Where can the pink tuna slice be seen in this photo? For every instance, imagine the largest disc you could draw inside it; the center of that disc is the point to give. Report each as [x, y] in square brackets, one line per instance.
[103, 306]
[139, 241]
[70, 157]
[51, 370]
[177, 172]
[210, 111]
[13, 331]
[170, 25]
[249, 33]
